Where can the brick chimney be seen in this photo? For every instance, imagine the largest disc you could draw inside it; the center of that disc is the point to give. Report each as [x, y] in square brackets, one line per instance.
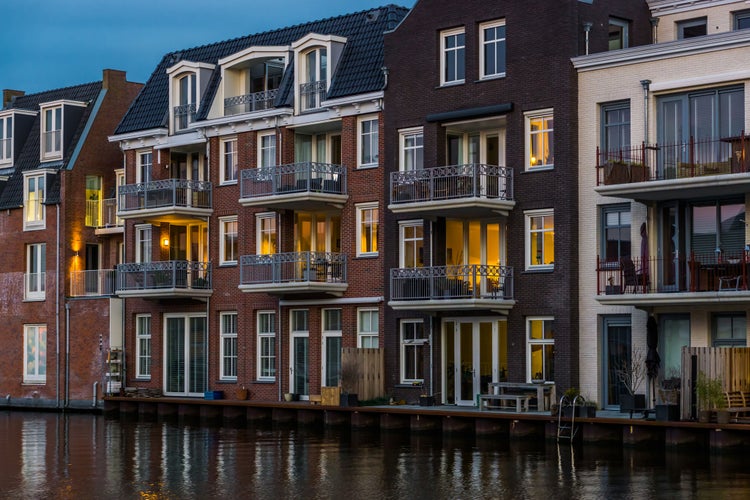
[112, 78]
[9, 94]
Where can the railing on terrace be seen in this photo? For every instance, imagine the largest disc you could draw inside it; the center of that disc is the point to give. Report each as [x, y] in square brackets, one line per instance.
[452, 282]
[169, 274]
[257, 101]
[184, 115]
[293, 178]
[451, 182]
[99, 282]
[708, 272]
[312, 94]
[181, 193]
[293, 267]
[655, 162]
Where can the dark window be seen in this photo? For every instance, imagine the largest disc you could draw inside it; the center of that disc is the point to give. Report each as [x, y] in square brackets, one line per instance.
[729, 330]
[691, 28]
[615, 127]
[616, 232]
[618, 33]
[742, 20]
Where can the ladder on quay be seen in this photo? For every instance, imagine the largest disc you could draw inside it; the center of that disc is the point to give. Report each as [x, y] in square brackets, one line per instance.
[568, 430]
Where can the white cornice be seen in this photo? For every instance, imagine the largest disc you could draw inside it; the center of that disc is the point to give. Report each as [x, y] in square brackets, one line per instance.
[139, 135]
[667, 7]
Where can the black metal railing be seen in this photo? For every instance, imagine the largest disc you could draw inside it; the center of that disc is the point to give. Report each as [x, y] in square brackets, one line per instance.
[184, 115]
[293, 178]
[452, 282]
[257, 101]
[452, 182]
[312, 94]
[293, 267]
[166, 193]
[169, 274]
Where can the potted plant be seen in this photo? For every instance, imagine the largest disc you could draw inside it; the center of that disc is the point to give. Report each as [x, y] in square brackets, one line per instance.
[668, 408]
[349, 378]
[573, 402]
[631, 375]
[710, 397]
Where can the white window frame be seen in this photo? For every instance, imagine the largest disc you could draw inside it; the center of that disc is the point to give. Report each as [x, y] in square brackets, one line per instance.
[229, 169]
[530, 136]
[267, 150]
[265, 229]
[403, 240]
[228, 361]
[6, 139]
[411, 348]
[228, 240]
[530, 264]
[536, 342]
[370, 224]
[53, 114]
[143, 243]
[143, 359]
[497, 42]
[34, 210]
[36, 337]
[368, 138]
[263, 338]
[454, 52]
[145, 166]
[411, 149]
[329, 331]
[366, 335]
[35, 278]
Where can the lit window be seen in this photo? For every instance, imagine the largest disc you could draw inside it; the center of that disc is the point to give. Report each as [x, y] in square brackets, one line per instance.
[368, 143]
[367, 328]
[52, 133]
[367, 229]
[266, 345]
[540, 140]
[492, 49]
[453, 60]
[413, 342]
[143, 340]
[412, 150]
[34, 191]
[228, 242]
[540, 239]
[35, 354]
[229, 161]
[36, 267]
[228, 353]
[266, 243]
[93, 201]
[540, 349]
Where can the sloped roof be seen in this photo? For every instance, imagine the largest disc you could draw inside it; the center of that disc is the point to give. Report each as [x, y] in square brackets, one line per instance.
[28, 158]
[358, 71]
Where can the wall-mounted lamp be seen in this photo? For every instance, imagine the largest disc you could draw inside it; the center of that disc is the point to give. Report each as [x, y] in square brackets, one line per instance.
[165, 242]
[75, 254]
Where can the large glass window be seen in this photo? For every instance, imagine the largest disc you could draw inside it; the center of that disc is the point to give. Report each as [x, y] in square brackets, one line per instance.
[35, 354]
[615, 129]
[266, 345]
[184, 112]
[331, 347]
[368, 142]
[367, 229]
[718, 228]
[412, 243]
[453, 61]
[228, 242]
[313, 88]
[143, 341]
[616, 220]
[742, 20]
[143, 243]
[145, 162]
[729, 330]
[266, 237]
[229, 161]
[36, 266]
[52, 133]
[228, 353]
[540, 239]
[367, 328]
[492, 49]
[267, 150]
[540, 348]
[540, 139]
[413, 349]
[412, 149]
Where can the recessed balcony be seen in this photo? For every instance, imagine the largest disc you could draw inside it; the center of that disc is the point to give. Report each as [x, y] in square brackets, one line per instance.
[164, 279]
[179, 197]
[94, 283]
[457, 191]
[297, 186]
[249, 103]
[102, 215]
[294, 273]
[442, 288]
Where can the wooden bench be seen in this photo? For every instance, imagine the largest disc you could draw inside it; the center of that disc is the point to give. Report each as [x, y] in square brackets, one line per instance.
[736, 403]
[522, 401]
[315, 399]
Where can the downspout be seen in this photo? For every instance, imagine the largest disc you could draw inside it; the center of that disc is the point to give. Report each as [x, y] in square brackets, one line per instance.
[279, 334]
[57, 312]
[587, 30]
[645, 84]
[654, 30]
[385, 71]
[67, 353]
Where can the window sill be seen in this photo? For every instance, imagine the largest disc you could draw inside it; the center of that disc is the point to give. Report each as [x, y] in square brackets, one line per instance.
[446, 85]
[228, 264]
[34, 382]
[264, 382]
[143, 379]
[490, 78]
[409, 385]
[35, 227]
[34, 299]
[541, 270]
[367, 256]
[369, 166]
[531, 170]
[228, 183]
[227, 381]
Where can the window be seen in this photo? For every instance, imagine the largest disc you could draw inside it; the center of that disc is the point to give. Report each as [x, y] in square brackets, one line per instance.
[691, 28]
[266, 243]
[229, 161]
[367, 328]
[315, 78]
[143, 174]
[6, 139]
[413, 342]
[93, 199]
[331, 347]
[267, 151]
[412, 243]
[540, 239]
[412, 150]
[52, 133]
[228, 242]
[368, 142]
[266, 345]
[34, 194]
[36, 266]
[540, 140]
[453, 60]
[228, 353]
[492, 49]
[187, 98]
[742, 20]
[143, 243]
[143, 341]
[35, 354]
[616, 220]
[717, 228]
[615, 130]
[540, 348]
[618, 33]
[729, 330]
[367, 229]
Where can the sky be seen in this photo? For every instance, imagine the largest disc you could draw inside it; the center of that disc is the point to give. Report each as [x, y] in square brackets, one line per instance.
[50, 44]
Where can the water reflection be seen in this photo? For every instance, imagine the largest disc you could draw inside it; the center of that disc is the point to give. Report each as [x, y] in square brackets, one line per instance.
[84, 456]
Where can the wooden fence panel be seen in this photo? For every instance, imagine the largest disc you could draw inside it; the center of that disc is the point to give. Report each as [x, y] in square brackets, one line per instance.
[731, 365]
[370, 365]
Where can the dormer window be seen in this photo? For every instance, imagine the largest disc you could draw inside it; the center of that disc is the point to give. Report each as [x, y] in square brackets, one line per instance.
[184, 112]
[52, 133]
[251, 79]
[6, 139]
[34, 191]
[316, 57]
[313, 87]
[187, 82]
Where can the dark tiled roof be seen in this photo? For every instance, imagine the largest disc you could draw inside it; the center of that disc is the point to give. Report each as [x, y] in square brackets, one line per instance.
[359, 69]
[11, 195]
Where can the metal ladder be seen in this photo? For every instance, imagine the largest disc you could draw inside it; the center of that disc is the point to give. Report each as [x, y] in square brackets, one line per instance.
[568, 430]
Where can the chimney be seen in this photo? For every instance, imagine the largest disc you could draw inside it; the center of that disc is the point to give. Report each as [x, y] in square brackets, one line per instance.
[112, 78]
[9, 95]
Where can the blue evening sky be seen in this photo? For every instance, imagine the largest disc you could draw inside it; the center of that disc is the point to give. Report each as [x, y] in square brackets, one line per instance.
[49, 44]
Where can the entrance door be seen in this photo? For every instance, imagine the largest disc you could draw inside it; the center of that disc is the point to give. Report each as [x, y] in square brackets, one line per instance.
[185, 362]
[617, 350]
[299, 365]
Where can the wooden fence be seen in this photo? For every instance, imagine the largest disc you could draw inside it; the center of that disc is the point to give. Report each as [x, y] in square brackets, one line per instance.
[731, 365]
[370, 367]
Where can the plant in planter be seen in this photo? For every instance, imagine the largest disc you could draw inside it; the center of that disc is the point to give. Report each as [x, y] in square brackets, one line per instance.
[710, 397]
[631, 375]
[349, 378]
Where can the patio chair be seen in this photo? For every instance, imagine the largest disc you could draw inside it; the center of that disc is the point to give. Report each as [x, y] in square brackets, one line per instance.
[632, 277]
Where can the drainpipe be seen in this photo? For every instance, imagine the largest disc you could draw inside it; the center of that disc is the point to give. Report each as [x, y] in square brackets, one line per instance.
[654, 31]
[67, 354]
[57, 311]
[587, 30]
[94, 391]
[385, 71]
[645, 84]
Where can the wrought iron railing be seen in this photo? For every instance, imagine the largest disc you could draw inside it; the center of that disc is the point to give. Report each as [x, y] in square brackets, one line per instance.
[99, 282]
[293, 178]
[169, 274]
[166, 193]
[656, 162]
[257, 101]
[293, 267]
[452, 182]
[184, 115]
[312, 94]
[471, 281]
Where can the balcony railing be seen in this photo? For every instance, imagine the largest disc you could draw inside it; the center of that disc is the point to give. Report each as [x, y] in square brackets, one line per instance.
[656, 162]
[293, 267]
[168, 193]
[452, 182]
[710, 272]
[184, 115]
[100, 282]
[305, 177]
[257, 101]
[170, 274]
[312, 94]
[452, 282]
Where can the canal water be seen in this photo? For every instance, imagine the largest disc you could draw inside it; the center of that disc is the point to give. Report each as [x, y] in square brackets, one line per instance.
[78, 456]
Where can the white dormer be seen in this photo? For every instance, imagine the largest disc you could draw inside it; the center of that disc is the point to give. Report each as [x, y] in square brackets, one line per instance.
[54, 133]
[14, 125]
[315, 59]
[187, 82]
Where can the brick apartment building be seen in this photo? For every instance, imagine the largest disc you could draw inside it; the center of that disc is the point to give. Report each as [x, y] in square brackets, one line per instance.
[59, 231]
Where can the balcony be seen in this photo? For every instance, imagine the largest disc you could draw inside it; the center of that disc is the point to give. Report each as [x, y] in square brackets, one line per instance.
[184, 115]
[311, 95]
[164, 279]
[96, 283]
[102, 215]
[441, 288]
[698, 279]
[248, 103]
[654, 172]
[297, 186]
[457, 190]
[166, 197]
[294, 273]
